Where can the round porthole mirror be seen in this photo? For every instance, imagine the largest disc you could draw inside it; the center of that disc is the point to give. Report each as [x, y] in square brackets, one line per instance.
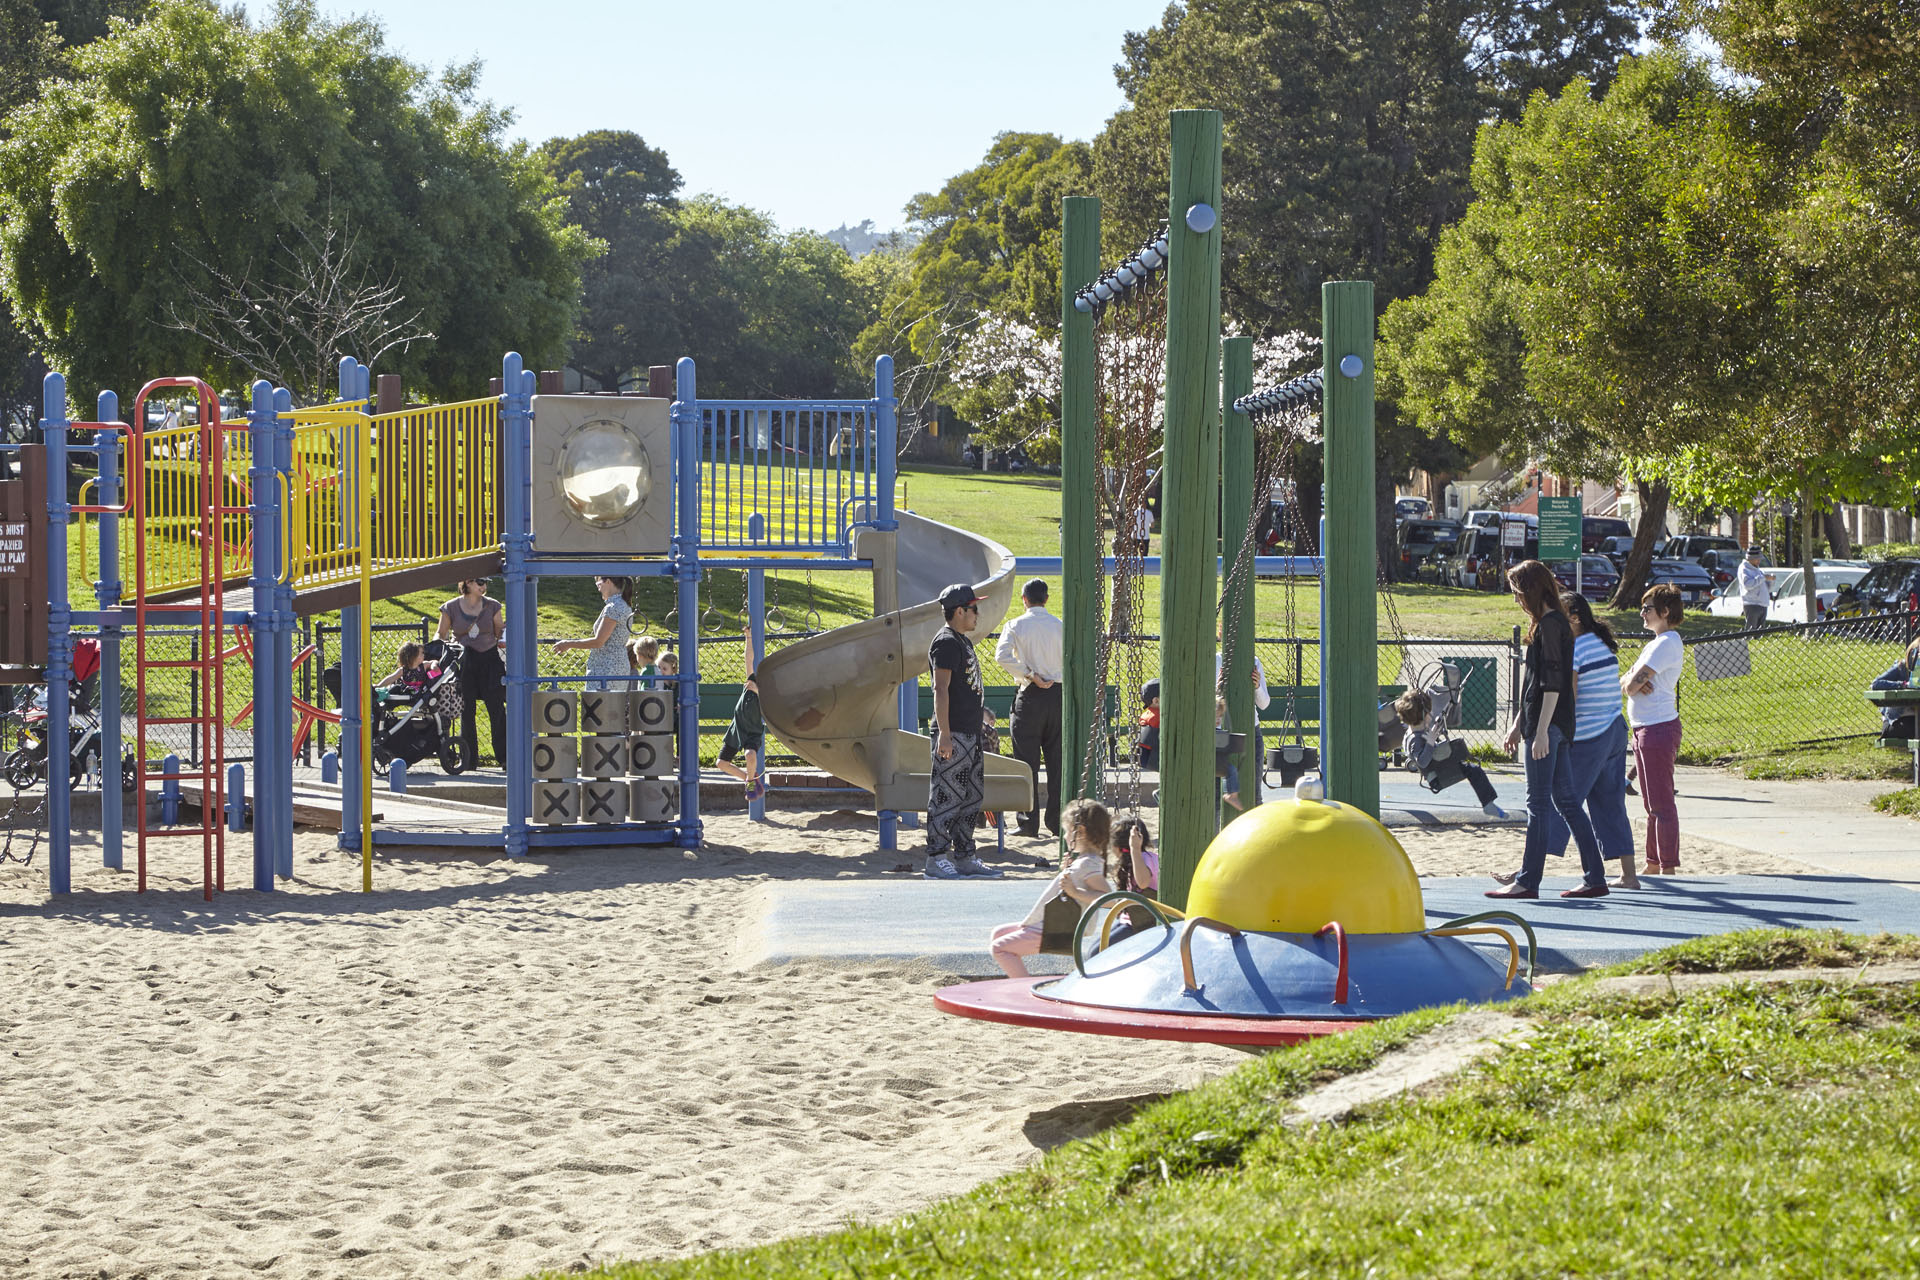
[605, 474]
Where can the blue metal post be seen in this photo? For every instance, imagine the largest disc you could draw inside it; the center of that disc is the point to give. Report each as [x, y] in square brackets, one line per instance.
[282, 777]
[237, 808]
[353, 688]
[106, 590]
[329, 767]
[886, 445]
[686, 562]
[266, 534]
[397, 776]
[170, 790]
[756, 652]
[53, 430]
[516, 536]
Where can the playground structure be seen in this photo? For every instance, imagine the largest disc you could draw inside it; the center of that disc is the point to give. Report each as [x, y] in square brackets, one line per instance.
[233, 528]
[1233, 952]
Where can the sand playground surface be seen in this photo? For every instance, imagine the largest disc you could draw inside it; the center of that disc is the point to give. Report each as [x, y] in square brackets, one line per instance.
[491, 1067]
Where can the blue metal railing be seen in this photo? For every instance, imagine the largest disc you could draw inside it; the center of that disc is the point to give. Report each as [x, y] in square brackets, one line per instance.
[800, 465]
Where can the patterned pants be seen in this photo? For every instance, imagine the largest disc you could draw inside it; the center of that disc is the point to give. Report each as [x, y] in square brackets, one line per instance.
[954, 796]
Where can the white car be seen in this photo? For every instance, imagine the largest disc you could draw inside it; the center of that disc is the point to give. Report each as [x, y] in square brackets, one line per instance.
[1789, 591]
[1726, 604]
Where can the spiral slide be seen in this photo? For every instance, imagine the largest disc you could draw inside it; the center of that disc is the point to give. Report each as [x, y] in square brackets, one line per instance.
[833, 699]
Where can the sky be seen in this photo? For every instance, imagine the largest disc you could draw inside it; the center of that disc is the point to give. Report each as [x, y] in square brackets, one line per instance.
[817, 114]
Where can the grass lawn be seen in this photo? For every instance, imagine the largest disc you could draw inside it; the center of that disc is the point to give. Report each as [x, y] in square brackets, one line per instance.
[1739, 1131]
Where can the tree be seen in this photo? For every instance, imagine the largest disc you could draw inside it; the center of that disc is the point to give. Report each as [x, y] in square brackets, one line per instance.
[1349, 131]
[33, 49]
[620, 191]
[988, 249]
[291, 320]
[1604, 302]
[186, 133]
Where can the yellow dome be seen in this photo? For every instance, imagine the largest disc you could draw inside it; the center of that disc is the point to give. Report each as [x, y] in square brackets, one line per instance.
[1291, 866]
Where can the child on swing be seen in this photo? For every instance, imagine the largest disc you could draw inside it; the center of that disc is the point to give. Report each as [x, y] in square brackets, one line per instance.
[1088, 873]
[1416, 710]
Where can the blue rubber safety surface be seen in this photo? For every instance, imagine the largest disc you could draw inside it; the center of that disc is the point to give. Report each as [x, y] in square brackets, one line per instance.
[946, 924]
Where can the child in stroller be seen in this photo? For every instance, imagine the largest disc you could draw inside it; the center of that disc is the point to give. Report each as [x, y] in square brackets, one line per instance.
[416, 707]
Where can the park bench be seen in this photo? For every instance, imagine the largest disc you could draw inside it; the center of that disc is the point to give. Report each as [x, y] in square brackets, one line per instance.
[1909, 701]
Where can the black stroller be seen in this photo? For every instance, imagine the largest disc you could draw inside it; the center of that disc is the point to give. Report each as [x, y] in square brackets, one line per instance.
[413, 723]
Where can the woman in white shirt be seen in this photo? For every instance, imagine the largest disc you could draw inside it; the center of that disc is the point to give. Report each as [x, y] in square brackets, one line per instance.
[1653, 708]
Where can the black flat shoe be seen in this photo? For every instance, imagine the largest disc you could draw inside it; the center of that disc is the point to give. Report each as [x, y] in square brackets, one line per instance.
[1513, 891]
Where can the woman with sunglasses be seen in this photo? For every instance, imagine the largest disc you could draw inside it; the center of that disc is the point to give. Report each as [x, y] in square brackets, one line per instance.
[1653, 708]
[1546, 724]
[473, 620]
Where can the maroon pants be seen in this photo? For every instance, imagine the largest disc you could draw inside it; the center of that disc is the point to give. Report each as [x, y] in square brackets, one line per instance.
[1654, 747]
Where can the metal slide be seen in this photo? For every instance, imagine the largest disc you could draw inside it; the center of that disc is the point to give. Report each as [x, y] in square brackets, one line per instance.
[833, 699]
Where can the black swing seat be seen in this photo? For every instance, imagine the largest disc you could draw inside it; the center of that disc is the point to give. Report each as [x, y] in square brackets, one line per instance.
[1291, 761]
[1447, 766]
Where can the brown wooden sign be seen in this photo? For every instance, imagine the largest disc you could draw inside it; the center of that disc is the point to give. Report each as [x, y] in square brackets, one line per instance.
[23, 569]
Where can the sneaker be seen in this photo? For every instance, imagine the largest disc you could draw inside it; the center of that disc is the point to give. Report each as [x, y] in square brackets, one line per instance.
[1493, 810]
[941, 868]
[758, 790]
[975, 867]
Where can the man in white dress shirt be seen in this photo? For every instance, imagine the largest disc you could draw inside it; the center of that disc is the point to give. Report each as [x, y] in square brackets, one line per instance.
[1755, 591]
[1032, 649]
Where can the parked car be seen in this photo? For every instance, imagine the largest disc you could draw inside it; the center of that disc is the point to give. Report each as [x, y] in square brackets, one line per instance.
[1789, 591]
[1476, 561]
[1598, 577]
[1726, 602]
[1409, 508]
[1691, 546]
[1616, 549]
[1692, 580]
[1597, 529]
[1889, 585]
[1723, 566]
[1420, 544]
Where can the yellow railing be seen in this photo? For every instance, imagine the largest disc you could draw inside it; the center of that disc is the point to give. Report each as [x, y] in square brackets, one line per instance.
[172, 481]
[432, 489]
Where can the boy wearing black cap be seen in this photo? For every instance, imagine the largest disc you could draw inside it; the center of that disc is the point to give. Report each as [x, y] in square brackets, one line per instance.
[959, 782]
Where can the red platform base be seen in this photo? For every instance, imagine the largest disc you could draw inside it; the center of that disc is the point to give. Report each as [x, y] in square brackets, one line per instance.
[1012, 1000]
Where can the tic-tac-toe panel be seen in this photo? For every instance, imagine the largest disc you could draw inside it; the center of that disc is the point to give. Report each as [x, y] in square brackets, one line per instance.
[650, 711]
[603, 757]
[555, 757]
[603, 801]
[603, 712]
[654, 800]
[555, 803]
[650, 755]
[555, 710]
[602, 476]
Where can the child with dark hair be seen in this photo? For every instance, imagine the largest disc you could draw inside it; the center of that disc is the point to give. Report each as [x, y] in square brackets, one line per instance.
[1146, 746]
[412, 674]
[1423, 711]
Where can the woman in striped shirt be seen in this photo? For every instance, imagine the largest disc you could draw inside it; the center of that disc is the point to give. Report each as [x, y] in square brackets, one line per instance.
[1598, 757]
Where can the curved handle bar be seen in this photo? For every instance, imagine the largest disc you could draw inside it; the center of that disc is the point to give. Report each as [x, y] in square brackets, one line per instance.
[1159, 909]
[1533, 943]
[1513, 948]
[286, 527]
[1186, 944]
[1340, 943]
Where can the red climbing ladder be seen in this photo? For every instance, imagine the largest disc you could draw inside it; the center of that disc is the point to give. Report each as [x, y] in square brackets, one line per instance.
[200, 514]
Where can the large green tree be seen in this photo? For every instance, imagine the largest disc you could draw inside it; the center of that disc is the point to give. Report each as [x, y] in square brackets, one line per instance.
[1349, 130]
[988, 256]
[198, 140]
[622, 192]
[763, 312]
[35, 39]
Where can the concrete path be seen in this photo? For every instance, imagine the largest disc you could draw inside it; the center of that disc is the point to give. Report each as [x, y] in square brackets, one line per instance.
[946, 924]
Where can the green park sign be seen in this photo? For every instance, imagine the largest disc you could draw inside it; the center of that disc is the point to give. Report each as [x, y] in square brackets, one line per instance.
[1559, 529]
